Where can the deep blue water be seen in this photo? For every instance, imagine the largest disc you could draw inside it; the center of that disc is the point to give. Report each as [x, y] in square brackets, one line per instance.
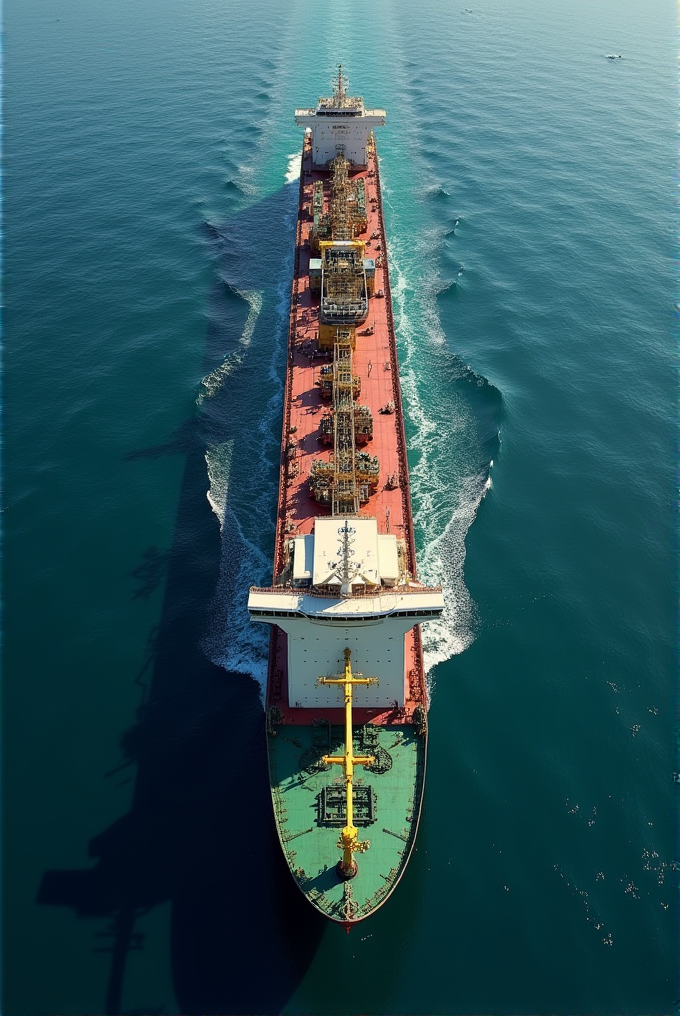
[149, 216]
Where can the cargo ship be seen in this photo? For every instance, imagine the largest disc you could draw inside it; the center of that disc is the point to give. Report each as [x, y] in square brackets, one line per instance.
[346, 700]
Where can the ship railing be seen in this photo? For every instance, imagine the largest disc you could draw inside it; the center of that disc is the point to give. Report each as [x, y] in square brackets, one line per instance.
[329, 594]
[344, 309]
[404, 483]
[288, 394]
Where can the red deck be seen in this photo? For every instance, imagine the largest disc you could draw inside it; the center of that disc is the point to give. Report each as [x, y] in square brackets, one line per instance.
[375, 361]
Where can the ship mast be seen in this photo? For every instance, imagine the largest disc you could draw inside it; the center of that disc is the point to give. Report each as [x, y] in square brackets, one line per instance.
[349, 841]
[340, 90]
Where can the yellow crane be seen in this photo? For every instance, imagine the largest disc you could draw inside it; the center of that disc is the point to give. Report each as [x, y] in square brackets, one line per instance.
[349, 841]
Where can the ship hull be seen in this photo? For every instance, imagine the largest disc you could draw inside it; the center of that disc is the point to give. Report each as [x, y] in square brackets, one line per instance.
[307, 792]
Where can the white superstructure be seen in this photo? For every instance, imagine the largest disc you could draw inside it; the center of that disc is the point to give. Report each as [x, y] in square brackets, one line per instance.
[346, 588]
[340, 123]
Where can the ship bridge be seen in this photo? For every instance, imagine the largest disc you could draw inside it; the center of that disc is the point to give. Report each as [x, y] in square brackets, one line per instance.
[346, 585]
[340, 124]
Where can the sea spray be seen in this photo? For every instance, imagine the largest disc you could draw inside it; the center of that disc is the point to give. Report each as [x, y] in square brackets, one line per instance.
[293, 170]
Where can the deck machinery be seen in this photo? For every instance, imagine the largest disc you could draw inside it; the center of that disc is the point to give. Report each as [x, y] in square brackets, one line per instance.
[346, 692]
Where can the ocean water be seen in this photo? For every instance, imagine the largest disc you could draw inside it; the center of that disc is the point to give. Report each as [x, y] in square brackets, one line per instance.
[151, 164]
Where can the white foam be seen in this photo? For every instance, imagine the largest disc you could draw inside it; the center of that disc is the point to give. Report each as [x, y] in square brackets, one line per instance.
[212, 382]
[293, 170]
[442, 562]
[233, 641]
[218, 459]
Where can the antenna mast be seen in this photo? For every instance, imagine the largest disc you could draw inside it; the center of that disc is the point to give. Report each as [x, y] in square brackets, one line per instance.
[340, 87]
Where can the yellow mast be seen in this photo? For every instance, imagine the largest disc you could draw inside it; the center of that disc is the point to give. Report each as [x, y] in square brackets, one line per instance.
[349, 842]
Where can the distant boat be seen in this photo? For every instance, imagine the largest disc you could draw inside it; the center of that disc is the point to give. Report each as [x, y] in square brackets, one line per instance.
[614, 56]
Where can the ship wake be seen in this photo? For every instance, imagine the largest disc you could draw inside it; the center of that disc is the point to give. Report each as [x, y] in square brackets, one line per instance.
[452, 420]
[240, 402]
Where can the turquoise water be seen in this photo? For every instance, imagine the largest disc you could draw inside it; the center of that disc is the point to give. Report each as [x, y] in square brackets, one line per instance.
[150, 203]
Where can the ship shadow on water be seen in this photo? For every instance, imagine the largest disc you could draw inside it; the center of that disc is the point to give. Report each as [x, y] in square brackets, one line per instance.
[200, 832]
